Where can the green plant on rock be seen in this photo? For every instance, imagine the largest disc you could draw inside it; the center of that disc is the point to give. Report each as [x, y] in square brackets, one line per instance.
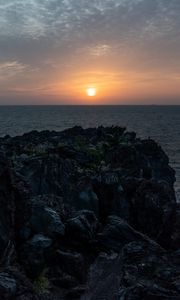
[80, 142]
[95, 154]
[41, 283]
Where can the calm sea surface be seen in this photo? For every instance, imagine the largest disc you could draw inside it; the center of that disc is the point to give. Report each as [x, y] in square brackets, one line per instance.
[161, 123]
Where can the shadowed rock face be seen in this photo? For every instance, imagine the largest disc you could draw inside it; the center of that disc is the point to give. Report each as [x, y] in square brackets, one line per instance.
[6, 203]
[87, 214]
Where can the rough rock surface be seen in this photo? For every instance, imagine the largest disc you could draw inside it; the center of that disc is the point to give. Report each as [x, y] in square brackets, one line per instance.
[87, 214]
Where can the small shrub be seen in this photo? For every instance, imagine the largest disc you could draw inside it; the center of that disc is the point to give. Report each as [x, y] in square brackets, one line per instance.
[41, 283]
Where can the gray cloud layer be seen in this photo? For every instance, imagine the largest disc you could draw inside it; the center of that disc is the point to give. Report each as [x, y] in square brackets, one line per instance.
[141, 35]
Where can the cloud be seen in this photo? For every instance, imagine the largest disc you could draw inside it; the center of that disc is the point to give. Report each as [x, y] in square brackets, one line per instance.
[36, 19]
[10, 69]
[89, 21]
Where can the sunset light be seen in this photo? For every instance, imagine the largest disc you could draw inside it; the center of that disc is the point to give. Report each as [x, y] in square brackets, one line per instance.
[91, 92]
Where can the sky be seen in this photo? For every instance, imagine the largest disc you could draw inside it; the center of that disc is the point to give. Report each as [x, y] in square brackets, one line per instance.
[52, 51]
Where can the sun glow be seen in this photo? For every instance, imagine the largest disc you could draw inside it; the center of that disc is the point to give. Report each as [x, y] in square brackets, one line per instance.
[91, 92]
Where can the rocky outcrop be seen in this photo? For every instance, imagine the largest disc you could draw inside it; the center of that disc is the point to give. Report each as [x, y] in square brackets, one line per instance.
[87, 214]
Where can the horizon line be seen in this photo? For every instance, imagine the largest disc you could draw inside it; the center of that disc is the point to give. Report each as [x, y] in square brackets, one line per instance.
[174, 104]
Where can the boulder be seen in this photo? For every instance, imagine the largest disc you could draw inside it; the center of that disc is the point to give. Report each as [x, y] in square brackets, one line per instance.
[46, 221]
[76, 292]
[117, 233]
[146, 292]
[111, 195]
[71, 263]
[8, 286]
[83, 226]
[87, 200]
[104, 278]
[34, 253]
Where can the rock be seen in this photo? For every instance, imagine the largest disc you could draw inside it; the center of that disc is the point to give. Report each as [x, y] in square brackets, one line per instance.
[46, 174]
[175, 233]
[148, 273]
[152, 205]
[130, 186]
[8, 286]
[83, 226]
[46, 221]
[133, 274]
[126, 157]
[111, 195]
[104, 278]
[87, 200]
[143, 292]
[72, 263]
[136, 251]
[141, 260]
[117, 233]
[76, 292]
[84, 196]
[24, 233]
[65, 281]
[129, 136]
[6, 203]
[157, 160]
[33, 254]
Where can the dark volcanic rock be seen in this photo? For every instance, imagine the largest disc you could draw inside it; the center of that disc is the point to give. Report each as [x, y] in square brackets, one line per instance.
[143, 292]
[118, 233]
[154, 157]
[33, 254]
[87, 214]
[71, 263]
[83, 226]
[104, 278]
[111, 195]
[6, 203]
[46, 221]
[8, 286]
[175, 233]
[87, 199]
[152, 210]
[134, 273]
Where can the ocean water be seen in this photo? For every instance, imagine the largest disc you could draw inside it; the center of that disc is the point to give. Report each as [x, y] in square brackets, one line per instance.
[162, 123]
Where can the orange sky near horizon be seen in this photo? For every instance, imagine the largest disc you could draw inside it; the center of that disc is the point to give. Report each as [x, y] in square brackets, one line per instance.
[112, 87]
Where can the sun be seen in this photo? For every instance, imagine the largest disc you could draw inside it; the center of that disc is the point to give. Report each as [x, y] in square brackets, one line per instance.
[91, 92]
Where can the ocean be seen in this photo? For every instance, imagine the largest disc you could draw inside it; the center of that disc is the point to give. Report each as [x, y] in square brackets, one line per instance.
[162, 123]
